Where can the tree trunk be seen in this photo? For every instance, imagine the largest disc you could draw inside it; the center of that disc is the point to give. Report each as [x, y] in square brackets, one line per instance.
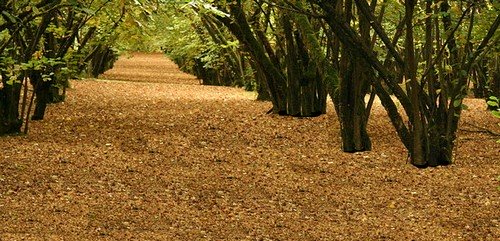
[294, 70]
[494, 82]
[101, 60]
[296, 88]
[418, 149]
[275, 79]
[42, 93]
[352, 91]
[10, 122]
[260, 79]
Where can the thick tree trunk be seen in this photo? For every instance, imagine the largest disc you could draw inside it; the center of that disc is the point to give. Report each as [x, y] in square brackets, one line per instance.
[10, 123]
[42, 93]
[352, 90]
[352, 108]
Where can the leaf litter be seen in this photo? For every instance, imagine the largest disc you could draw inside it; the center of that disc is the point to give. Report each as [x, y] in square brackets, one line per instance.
[146, 153]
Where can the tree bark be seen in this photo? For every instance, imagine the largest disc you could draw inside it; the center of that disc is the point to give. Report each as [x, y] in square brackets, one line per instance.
[275, 79]
[294, 70]
[418, 150]
[42, 92]
[10, 121]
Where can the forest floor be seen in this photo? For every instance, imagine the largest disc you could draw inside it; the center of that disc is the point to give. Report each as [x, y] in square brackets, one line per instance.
[146, 153]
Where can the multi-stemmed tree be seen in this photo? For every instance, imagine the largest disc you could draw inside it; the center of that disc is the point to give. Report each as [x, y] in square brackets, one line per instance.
[424, 60]
[434, 83]
[418, 57]
[42, 44]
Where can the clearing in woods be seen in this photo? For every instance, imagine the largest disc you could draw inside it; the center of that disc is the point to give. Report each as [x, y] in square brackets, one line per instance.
[147, 153]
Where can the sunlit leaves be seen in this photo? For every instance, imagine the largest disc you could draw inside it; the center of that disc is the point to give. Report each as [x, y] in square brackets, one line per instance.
[494, 102]
[9, 16]
[58, 31]
[208, 8]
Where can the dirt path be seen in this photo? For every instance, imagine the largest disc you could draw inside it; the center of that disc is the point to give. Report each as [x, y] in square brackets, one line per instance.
[149, 68]
[163, 158]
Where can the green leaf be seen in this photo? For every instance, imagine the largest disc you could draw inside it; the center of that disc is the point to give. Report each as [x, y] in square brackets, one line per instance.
[457, 103]
[36, 10]
[9, 16]
[448, 69]
[214, 10]
[12, 80]
[496, 113]
[88, 11]
[492, 103]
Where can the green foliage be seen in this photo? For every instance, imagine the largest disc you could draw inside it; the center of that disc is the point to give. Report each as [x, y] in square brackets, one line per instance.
[184, 45]
[143, 26]
[58, 40]
[494, 103]
[190, 39]
[47, 43]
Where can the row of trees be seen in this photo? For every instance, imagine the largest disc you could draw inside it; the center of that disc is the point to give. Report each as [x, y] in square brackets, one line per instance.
[420, 55]
[44, 43]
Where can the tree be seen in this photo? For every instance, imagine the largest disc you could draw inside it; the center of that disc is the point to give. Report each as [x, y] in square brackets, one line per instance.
[295, 85]
[42, 44]
[432, 98]
[18, 23]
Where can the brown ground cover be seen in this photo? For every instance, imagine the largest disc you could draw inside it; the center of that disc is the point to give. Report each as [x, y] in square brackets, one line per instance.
[159, 157]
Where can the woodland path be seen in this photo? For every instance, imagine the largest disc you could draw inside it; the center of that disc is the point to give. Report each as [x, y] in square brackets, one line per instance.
[146, 153]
